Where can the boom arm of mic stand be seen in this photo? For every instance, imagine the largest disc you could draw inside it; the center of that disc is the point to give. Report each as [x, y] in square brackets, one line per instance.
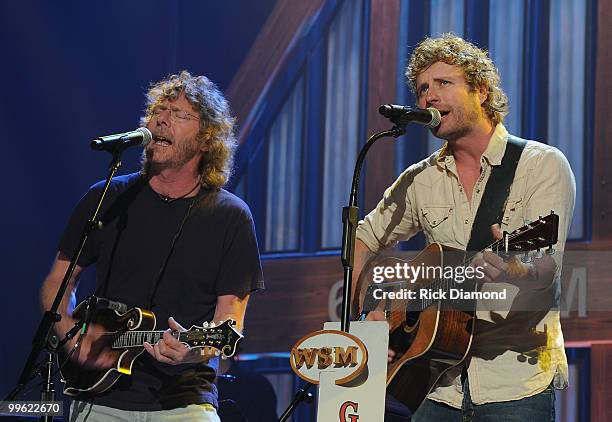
[349, 223]
[51, 316]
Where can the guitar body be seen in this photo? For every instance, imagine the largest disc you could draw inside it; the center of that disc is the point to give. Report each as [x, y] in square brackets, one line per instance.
[80, 380]
[439, 341]
[428, 341]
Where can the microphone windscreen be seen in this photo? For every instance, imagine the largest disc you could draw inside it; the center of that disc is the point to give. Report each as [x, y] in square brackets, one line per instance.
[147, 136]
[436, 117]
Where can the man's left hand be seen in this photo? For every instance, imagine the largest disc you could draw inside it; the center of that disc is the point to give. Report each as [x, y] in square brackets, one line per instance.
[495, 268]
[171, 351]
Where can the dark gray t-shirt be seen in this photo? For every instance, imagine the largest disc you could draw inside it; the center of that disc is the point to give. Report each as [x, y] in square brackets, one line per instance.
[215, 254]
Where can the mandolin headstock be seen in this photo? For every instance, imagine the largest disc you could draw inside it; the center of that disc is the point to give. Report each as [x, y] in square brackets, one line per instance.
[223, 337]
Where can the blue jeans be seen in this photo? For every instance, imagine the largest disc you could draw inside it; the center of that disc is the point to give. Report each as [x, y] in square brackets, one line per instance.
[86, 412]
[537, 408]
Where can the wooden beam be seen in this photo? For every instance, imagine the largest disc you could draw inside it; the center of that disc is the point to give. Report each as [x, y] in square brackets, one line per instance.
[601, 388]
[295, 302]
[267, 56]
[382, 65]
[585, 277]
[299, 291]
[602, 133]
[594, 329]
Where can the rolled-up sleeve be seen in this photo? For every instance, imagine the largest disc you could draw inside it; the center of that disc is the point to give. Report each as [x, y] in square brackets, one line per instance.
[394, 218]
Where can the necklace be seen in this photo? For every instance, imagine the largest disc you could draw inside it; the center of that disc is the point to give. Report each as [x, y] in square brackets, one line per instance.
[168, 199]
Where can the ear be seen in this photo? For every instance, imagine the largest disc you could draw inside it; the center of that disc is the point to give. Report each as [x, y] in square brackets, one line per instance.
[483, 93]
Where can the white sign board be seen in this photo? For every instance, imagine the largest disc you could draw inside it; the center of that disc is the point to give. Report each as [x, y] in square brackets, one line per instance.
[362, 398]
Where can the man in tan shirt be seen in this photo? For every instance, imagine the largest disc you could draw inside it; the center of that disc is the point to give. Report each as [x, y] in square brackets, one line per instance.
[440, 196]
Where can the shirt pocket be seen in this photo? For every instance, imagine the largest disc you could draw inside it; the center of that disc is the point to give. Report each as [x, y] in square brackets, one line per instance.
[514, 214]
[437, 217]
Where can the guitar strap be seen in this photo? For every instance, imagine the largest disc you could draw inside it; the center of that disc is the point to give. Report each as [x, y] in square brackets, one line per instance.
[492, 205]
[162, 269]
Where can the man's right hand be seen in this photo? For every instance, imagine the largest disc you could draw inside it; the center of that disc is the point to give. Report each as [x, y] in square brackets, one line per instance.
[94, 352]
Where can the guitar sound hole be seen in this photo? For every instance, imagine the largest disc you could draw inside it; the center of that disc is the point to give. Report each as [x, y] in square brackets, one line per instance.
[400, 340]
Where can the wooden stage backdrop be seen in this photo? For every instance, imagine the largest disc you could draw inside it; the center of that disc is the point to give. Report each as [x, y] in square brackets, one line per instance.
[302, 293]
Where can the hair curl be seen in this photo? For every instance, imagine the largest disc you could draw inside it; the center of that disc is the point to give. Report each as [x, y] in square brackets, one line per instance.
[216, 123]
[477, 66]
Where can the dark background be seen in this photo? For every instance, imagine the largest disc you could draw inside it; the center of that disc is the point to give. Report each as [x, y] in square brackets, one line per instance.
[72, 71]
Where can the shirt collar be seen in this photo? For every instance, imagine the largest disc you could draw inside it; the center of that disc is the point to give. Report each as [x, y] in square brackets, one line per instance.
[493, 154]
[497, 145]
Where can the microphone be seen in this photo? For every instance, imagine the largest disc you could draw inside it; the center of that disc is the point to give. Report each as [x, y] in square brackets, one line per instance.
[141, 136]
[398, 114]
[103, 303]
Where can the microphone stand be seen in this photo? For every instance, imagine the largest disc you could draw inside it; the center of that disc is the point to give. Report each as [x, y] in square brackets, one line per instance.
[44, 338]
[350, 215]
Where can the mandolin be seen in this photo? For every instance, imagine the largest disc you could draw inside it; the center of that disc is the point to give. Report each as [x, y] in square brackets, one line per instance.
[126, 333]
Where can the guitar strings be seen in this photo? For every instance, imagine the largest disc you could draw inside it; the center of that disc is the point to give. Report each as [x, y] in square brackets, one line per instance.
[495, 246]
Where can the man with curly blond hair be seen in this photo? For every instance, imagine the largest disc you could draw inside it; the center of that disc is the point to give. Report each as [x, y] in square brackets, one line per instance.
[173, 241]
[517, 357]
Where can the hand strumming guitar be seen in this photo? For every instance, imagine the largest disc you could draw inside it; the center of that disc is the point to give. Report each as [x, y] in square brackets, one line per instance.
[93, 351]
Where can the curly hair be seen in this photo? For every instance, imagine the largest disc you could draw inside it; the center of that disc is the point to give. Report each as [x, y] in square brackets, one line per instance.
[216, 123]
[477, 66]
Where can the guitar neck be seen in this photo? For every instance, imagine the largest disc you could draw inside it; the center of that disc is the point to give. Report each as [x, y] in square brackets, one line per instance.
[137, 338]
[223, 337]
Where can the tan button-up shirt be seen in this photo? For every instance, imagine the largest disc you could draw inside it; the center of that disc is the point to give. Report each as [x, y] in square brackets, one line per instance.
[428, 197]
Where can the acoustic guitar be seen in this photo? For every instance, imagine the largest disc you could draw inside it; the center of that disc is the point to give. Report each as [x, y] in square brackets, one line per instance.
[431, 336]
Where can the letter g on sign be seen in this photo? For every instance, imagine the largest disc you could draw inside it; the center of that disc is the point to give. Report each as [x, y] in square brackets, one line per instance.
[343, 412]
